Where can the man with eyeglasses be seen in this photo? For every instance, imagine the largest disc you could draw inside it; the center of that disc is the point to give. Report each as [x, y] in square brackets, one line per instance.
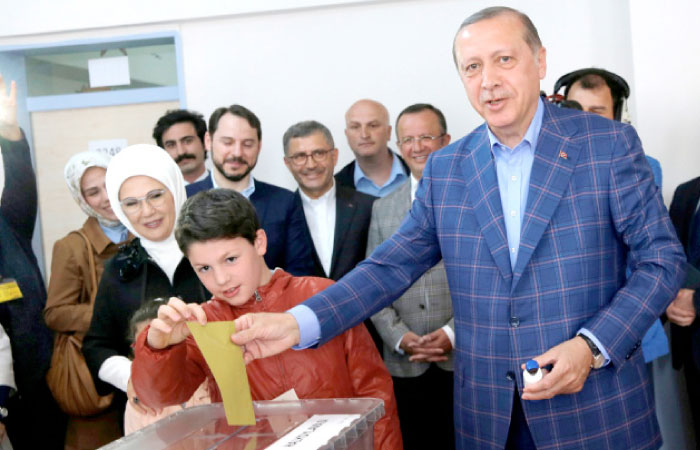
[377, 170]
[418, 328]
[235, 141]
[337, 217]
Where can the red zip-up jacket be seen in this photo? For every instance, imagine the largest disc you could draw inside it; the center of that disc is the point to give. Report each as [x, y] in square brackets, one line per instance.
[346, 366]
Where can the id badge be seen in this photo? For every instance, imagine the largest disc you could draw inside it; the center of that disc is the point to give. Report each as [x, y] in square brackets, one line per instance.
[9, 290]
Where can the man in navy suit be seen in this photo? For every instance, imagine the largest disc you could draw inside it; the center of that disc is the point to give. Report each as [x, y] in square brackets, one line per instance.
[536, 215]
[235, 140]
[336, 217]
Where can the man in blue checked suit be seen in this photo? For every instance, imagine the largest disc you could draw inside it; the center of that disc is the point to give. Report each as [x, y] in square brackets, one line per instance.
[536, 215]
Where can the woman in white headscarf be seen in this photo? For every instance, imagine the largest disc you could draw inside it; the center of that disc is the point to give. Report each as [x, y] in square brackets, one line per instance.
[146, 190]
[77, 264]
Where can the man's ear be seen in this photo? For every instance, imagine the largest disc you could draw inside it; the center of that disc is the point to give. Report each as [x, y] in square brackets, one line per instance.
[260, 242]
[207, 141]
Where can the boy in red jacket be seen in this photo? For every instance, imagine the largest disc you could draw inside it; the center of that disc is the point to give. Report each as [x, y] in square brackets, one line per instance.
[219, 233]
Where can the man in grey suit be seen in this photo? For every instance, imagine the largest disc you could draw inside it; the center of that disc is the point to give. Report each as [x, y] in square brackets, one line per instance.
[418, 328]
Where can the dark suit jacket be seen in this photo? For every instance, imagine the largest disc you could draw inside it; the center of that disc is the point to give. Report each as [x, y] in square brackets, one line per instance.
[592, 207]
[353, 211]
[288, 243]
[685, 341]
[346, 176]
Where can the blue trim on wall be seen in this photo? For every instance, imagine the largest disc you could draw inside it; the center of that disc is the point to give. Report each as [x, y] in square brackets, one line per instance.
[93, 99]
[102, 41]
[180, 71]
[110, 98]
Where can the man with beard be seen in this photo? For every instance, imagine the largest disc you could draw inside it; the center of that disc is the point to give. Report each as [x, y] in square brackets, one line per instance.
[235, 140]
[181, 133]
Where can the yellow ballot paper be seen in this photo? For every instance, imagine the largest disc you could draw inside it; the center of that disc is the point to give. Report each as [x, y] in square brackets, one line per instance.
[9, 290]
[225, 359]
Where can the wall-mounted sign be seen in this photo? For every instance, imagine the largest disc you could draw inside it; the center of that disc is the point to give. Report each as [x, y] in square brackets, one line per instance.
[109, 146]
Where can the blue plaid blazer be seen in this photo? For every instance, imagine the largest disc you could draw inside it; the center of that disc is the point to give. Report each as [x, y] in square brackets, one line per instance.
[592, 207]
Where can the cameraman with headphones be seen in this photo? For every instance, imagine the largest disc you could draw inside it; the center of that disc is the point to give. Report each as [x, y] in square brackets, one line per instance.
[605, 93]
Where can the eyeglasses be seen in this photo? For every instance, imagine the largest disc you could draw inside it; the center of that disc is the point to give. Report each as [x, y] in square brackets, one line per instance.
[425, 139]
[132, 205]
[301, 158]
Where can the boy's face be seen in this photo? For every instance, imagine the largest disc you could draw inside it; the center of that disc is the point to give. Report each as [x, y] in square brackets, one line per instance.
[231, 269]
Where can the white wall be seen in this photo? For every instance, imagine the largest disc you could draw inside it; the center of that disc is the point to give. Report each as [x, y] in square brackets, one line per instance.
[290, 60]
[294, 65]
[665, 47]
[300, 65]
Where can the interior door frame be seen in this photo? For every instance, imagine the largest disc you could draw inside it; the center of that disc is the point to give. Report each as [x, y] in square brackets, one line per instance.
[12, 66]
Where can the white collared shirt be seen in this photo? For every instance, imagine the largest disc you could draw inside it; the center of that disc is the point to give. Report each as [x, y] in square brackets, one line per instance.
[320, 217]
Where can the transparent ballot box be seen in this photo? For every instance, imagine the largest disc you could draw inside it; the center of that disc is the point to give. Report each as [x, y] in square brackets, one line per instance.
[332, 424]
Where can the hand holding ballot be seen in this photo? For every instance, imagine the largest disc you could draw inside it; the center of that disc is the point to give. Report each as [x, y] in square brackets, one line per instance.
[170, 327]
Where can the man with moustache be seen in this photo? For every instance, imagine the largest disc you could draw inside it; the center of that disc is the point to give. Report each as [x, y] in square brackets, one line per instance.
[376, 171]
[235, 140]
[418, 328]
[181, 133]
[536, 214]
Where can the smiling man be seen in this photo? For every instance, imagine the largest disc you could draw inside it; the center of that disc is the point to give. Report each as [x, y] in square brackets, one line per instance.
[536, 214]
[417, 329]
[181, 133]
[235, 141]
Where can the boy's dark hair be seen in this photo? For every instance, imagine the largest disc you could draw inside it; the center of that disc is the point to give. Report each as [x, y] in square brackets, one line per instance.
[147, 312]
[216, 214]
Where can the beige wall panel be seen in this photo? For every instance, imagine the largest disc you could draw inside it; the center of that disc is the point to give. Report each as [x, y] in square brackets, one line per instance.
[60, 134]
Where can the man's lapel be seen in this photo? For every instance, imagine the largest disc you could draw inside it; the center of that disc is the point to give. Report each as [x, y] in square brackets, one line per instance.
[345, 210]
[480, 174]
[555, 160]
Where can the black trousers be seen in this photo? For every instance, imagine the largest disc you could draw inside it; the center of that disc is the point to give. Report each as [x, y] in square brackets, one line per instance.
[35, 421]
[519, 437]
[425, 405]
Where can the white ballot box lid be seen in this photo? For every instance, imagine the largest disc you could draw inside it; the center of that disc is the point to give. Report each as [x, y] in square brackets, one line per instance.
[346, 423]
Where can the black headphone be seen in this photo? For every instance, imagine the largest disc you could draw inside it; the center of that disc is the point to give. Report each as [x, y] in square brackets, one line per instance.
[618, 86]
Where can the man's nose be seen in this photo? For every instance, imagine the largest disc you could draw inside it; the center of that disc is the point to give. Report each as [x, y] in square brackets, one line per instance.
[489, 77]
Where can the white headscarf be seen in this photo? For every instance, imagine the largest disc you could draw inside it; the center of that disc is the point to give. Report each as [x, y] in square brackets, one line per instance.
[73, 173]
[154, 162]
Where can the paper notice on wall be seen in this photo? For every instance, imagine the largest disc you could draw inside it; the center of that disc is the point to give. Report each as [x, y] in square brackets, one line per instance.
[108, 146]
[315, 432]
[109, 71]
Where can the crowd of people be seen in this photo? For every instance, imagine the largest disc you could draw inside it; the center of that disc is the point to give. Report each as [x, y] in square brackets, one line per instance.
[425, 281]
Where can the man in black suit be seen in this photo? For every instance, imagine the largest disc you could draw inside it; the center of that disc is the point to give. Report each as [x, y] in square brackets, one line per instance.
[682, 312]
[337, 217]
[235, 140]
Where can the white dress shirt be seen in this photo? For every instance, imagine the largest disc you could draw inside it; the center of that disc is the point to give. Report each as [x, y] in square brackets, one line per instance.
[320, 217]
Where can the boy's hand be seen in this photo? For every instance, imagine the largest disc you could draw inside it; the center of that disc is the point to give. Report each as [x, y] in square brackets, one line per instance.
[170, 327]
[265, 334]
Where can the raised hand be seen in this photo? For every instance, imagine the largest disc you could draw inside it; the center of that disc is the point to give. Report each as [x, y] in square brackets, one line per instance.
[170, 327]
[8, 112]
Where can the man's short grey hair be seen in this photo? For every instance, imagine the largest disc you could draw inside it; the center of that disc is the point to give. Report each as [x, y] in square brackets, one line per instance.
[532, 37]
[305, 129]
